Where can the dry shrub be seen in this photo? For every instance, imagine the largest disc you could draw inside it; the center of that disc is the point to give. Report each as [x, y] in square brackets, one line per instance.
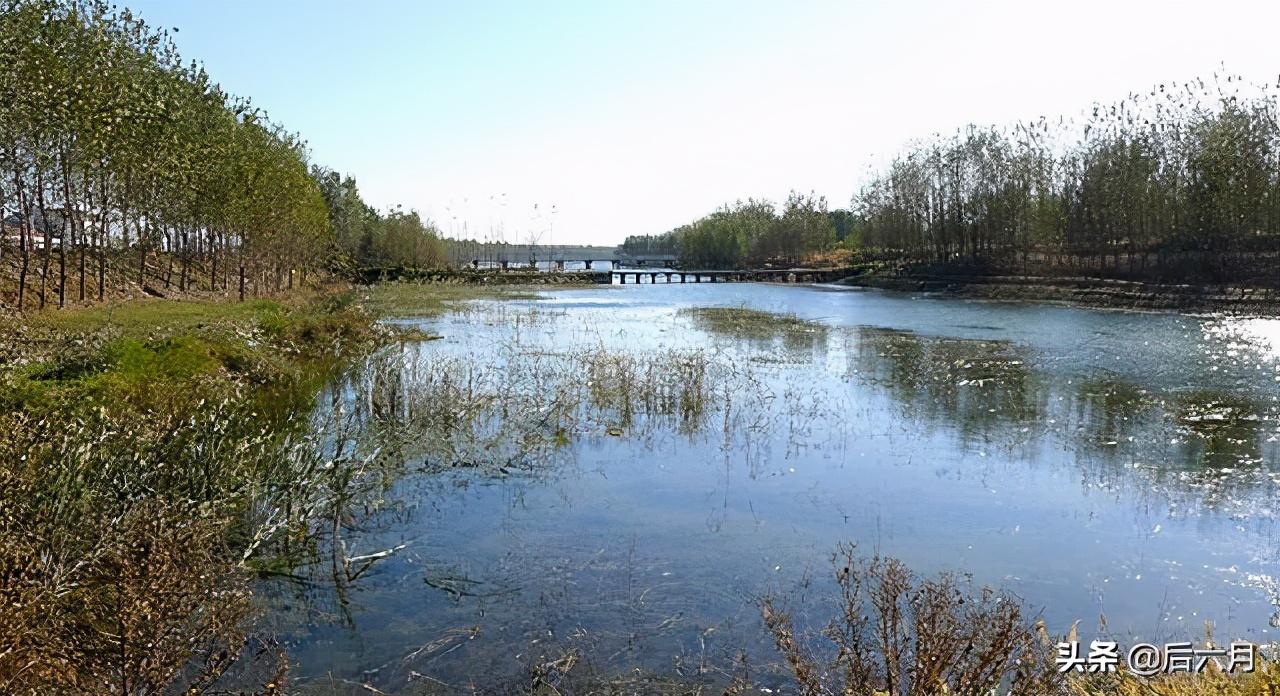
[1265, 681]
[901, 635]
[152, 594]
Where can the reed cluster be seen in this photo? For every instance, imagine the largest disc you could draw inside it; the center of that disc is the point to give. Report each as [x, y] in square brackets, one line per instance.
[145, 474]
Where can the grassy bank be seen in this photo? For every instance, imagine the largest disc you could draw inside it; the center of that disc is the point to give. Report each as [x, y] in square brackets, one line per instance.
[152, 451]
[159, 456]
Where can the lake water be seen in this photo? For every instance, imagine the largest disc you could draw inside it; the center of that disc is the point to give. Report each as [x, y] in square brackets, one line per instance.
[624, 472]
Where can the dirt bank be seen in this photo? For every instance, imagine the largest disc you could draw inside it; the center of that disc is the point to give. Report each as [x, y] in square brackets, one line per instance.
[1095, 292]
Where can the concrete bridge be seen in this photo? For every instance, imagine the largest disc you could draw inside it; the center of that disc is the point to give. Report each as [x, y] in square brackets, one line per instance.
[561, 264]
[559, 257]
[781, 275]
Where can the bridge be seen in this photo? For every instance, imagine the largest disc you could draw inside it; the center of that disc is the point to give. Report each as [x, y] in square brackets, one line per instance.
[771, 275]
[561, 257]
[561, 263]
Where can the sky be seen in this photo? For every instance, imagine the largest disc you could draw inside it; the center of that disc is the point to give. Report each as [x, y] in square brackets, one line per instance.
[585, 122]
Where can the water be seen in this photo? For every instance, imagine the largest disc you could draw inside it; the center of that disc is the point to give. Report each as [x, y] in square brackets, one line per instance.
[1095, 463]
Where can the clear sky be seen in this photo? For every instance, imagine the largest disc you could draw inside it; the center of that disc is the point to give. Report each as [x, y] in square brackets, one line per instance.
[635, 117]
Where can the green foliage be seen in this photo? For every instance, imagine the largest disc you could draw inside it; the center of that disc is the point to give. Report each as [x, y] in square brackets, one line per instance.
[110, 141]
[1180, 183]
[748, 233]
[371, 240]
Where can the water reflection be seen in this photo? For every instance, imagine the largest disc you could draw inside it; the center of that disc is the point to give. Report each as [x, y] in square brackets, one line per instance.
[619, 476]
[1208, 445]
[984, 388]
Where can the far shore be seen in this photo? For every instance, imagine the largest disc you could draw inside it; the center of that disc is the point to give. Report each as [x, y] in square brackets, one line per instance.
[1085, 291]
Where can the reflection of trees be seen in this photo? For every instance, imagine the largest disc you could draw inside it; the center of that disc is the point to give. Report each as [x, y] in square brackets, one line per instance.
[1220, 429]
[1198, 431]
[1201, 449]
[981, 387]
[1109, 411]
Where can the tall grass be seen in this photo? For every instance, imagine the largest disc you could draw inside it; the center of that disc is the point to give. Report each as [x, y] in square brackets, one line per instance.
[142, 476]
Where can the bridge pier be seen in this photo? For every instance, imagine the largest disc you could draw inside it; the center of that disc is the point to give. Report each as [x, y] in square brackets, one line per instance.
[653, 278]
[506, 264]
[588, 263]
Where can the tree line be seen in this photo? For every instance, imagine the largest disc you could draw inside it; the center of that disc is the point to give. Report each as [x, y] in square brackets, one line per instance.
[1182, 182]
[114, 151]
[366, 238]
[123, 164]
[748, 233]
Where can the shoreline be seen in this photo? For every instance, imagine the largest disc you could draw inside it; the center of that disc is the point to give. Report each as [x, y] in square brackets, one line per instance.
[1081, 291]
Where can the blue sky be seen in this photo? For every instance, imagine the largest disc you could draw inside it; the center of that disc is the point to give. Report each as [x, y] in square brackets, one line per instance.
[635, 117]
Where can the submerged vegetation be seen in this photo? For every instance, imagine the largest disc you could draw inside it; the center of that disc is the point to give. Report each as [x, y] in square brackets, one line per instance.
[792, 334]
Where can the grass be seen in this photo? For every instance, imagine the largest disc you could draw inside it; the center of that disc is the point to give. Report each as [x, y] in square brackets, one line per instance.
[150, 314]
[744, 322]
[151, 451]
[768, 331]
[403, 299]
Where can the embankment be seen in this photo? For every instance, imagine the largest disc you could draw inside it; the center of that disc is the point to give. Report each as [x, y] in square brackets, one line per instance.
[1095, 292]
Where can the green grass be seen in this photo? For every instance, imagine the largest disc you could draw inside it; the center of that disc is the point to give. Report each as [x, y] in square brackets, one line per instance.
[151, 315]
[142, 443]
[404, 299]
[156, 355]
[744, 322]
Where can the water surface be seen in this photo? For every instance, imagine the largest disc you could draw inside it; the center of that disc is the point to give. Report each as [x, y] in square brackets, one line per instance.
[623, 472]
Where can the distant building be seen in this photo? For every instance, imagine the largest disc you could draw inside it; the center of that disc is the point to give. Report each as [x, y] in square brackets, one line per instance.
[12, 232]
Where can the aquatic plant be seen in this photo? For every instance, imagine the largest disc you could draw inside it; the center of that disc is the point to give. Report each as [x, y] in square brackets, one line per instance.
[902, 635]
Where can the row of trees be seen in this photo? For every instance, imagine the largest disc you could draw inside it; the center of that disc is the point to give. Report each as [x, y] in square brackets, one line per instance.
[1181, 182]
[120, 159]
[371, 239]
[750, 233]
